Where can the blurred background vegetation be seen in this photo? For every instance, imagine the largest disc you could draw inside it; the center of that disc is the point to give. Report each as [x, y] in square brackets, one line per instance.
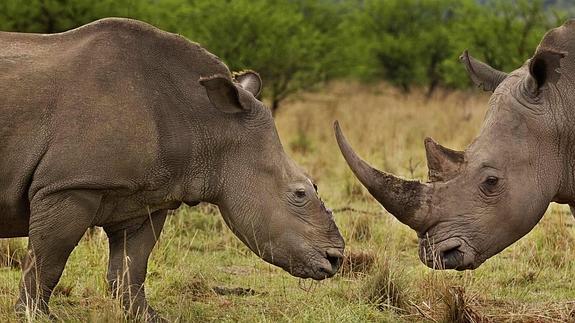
[301, 44]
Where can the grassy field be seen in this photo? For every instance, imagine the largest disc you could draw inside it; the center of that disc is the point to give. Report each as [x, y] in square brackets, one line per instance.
[200, 272]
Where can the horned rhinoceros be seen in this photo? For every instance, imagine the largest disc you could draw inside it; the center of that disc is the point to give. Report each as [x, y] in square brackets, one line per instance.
[116, 122]
[480, 201]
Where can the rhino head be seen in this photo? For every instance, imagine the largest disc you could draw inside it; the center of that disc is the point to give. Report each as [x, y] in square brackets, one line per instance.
[265, 198]
[481, 200]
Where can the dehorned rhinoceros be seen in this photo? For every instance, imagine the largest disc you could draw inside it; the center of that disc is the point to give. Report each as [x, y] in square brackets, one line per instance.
[116, 122]
[480, 201]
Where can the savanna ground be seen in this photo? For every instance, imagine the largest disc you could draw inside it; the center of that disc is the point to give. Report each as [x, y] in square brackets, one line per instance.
[199, 271]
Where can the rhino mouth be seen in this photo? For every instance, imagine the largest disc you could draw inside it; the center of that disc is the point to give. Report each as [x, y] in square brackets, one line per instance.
[330, 264]
[324, 265]
[451, 253]
[451, 258]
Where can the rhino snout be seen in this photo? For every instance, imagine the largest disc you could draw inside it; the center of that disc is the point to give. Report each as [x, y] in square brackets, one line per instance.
[452, 253]
[327, 265]
[451, 258]
[334, 257]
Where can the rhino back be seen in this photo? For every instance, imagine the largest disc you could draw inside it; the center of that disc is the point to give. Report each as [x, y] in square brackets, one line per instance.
[113, 105]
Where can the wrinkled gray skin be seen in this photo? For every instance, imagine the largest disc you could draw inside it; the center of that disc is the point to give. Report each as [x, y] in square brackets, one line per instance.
[116, 122]
[482, 200]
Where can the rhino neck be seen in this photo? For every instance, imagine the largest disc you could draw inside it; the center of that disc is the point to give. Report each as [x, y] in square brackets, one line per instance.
[192, 143]
[566, 177]
[562, 106]
[561, 164]
[212, 159]
[226, 163]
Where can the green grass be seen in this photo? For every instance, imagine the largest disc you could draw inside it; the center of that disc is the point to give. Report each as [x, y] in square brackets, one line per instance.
[384, 280]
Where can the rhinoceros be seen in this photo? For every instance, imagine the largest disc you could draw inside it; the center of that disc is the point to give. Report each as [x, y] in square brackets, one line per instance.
[480, 201]
[116, 122]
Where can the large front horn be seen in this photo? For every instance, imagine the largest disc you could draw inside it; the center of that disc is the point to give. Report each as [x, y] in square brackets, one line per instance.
[402, 198]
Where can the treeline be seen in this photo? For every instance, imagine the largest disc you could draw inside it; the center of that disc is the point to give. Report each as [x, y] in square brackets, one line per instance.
[300, 44]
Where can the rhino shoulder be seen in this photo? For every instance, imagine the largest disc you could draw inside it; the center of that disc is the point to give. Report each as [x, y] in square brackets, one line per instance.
[149, 40]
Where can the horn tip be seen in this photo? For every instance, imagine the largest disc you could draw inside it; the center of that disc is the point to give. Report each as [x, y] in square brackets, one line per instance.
[428, 141]
[338, 133]
[464, 56]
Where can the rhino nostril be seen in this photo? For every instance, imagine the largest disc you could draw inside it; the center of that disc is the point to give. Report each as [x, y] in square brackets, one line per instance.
[448, 251]
[334, 257]
[451, 258]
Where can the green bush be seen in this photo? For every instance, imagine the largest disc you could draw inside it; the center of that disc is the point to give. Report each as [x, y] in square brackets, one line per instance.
[299, 44]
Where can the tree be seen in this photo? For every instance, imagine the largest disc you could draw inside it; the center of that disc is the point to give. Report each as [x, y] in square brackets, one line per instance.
[417, 42]
[409, 39]
[273, 39]
[299, 44]
[503, 33]
[51, 16]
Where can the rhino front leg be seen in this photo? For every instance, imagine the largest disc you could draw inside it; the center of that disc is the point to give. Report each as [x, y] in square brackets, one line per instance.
[130, 246]
[57, 223]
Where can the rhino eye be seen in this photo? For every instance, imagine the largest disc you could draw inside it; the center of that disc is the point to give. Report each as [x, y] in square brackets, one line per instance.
[300, 193]
[491, 181]
[489, 186]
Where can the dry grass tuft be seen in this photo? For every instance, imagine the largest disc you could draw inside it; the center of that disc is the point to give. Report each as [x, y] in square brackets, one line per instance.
[357, 262]
[361, 228]
[63, 290]
[386, 289]
[459, 306]
[196, 288]
[12, 252]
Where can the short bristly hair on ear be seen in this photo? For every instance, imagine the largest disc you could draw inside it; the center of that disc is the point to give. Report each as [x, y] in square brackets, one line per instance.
[249, 81]
[223, 93]
[481, 74]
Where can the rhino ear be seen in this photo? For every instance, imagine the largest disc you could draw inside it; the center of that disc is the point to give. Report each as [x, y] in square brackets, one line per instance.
[223, 94]
[443, 163]
[543, 69]
[482, 75]
[250, 81]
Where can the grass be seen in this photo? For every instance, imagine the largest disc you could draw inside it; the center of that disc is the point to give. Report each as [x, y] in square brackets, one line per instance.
[200, 272]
